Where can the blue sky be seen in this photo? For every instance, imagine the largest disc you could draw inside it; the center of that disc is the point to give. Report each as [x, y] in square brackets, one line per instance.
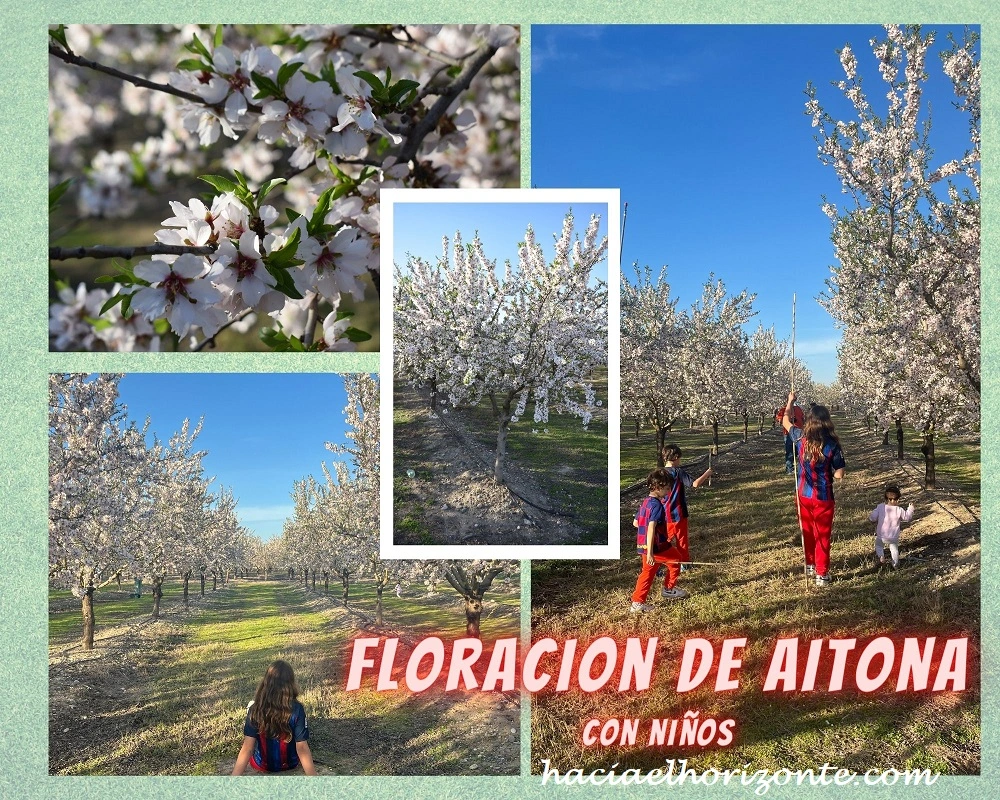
[703, 128]
[418, 227]
[262, 431]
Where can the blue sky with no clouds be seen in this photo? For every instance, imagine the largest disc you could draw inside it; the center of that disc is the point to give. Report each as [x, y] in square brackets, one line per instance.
[262, 431]
[703, 128]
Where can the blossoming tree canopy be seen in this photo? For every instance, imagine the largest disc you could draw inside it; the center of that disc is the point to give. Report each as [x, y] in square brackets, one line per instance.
[471, 331]
[906, 289]
[270, 145]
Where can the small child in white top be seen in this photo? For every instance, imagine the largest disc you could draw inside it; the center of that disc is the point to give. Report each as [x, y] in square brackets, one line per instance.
[887, 517]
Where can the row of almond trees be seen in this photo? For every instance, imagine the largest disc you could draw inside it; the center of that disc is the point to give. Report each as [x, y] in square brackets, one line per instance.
[334, 530]
[699, 363]
[906, 288]
[120, 505]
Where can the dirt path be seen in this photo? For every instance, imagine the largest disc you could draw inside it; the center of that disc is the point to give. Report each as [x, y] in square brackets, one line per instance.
[169, 697]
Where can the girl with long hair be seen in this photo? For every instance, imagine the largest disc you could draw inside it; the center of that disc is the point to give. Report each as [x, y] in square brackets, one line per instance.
[819, 461]
[275, 733]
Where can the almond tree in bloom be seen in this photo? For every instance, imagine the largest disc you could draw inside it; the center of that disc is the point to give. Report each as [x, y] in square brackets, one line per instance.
[99, 474]
[907, 287]
[651, 333]
[715, 354]
[530, 335]
[292, 132]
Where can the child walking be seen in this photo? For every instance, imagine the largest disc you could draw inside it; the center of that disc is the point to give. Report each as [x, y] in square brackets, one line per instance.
[651, 537]
[275, 734]
[887, 517]
[675, 504]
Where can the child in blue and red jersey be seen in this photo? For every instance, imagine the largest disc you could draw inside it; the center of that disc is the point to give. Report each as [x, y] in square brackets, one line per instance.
[651, 536]
[275, 734]
[820, 460]
[675, 504]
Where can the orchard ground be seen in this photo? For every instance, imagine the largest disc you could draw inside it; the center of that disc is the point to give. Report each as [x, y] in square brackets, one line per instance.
[556, 488]
[169, 697]
[746, 521]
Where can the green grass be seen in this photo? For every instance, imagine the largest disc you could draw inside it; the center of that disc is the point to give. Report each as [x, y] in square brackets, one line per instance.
[112, 606]
[747, 523]
[182, 710]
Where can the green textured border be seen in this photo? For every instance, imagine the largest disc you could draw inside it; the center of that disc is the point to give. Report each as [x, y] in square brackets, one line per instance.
[25, 362]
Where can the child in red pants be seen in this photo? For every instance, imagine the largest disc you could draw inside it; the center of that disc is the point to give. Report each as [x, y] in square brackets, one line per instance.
[675, 506]
[651, 537]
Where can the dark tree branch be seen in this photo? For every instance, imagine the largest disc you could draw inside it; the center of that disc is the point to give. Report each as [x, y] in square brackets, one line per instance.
[419, 132]
[106, 251]
[71, 58]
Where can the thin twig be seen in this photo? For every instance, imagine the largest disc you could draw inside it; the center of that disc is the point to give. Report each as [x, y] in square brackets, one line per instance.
[80, 61]
[409, 42]
[205, 342]
[107, 251]
[309, 334]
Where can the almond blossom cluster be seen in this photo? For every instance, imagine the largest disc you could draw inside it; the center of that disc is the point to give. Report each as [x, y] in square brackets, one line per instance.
[317, 108]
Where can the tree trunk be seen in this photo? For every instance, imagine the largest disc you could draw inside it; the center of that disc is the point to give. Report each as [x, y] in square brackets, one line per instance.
[326, 582]
[885, 438]
[215, 580]
[87, 607]
[899, 439]
[715, 437]
[202, 584]
[928, 450]
[473, 611]
[378, 605]
[187, 579]
[746, 427]
[501, 443]
[345, 579]
[661, 441]
[157, 594]
[760, 425]
[638, 422]
[314, 581]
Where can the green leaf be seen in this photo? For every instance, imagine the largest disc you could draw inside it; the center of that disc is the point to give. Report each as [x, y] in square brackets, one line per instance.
[266, 87]
[329, 74]
[59, 34]
[218, 36]
[356, 335]
[127, 307]
[219, 182]
[195, 46]
[370, 79]
[193, 65]
[321, 210]
[267, 188]
[455, 71]
[241, 178]
[286, 72]
[111, 302]
[401, 88]
[98, 324]
[56, 193]
[140, 177]
[284, 258]
[291, 215]
[161, 326]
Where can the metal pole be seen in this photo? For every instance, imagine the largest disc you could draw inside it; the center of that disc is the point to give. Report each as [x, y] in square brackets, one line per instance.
[795, 464]
[621, 244]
